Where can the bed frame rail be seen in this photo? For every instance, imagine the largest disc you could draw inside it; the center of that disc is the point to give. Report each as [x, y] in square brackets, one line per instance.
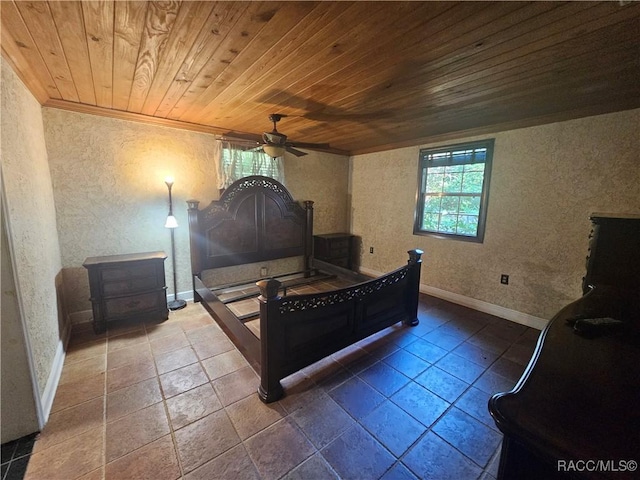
[241, 336]
[299, 330]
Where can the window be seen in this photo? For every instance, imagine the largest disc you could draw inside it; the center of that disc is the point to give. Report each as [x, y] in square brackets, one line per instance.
[237, 162]
[453, 190]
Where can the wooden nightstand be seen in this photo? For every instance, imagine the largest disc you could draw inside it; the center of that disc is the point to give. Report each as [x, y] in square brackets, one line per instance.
[333, 248]
[127, 286]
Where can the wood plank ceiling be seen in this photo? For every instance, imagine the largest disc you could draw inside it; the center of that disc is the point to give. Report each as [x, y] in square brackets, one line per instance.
[362, 76]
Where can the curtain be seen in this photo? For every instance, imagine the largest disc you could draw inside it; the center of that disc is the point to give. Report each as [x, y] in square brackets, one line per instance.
[235, 162]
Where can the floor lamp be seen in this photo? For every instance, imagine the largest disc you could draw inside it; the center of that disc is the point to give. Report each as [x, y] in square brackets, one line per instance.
[172, 224]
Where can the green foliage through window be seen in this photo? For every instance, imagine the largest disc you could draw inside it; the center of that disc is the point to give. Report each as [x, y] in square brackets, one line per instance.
[453, 190]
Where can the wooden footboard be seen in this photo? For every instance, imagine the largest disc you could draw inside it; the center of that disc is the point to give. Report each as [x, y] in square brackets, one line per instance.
[299, 330]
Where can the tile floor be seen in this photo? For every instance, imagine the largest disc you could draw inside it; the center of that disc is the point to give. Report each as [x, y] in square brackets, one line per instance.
[15, 457]
[177, 400]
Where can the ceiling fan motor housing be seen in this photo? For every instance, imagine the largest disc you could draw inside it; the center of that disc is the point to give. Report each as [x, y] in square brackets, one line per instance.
[274, 138]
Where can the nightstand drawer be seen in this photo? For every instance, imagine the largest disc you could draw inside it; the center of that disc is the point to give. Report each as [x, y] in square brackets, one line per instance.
[339, 252]
[130, 286]
[341, 262]
[335, 248]
[126, 306]
[124, 273]
[338, 244]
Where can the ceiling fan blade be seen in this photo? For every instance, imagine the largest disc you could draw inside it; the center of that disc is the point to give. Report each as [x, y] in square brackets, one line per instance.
[322, 146]
[295, 152]
[242, 136]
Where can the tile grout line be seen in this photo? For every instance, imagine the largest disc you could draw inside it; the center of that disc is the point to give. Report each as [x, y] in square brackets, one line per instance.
[210, 382]
[398, 459]
[223, 407]
[452, 404]
[174, 440]
[103, 466]
[353, 374]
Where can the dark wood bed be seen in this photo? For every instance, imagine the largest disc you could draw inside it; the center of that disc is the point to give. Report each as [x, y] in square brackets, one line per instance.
[257, 220]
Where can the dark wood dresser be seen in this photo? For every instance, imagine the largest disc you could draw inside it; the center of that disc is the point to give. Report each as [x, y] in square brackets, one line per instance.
[575, 413]
[335, 248]
[127, 286]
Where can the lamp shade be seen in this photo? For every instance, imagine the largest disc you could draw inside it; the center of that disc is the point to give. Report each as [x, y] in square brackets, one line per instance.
[171, 222]
[273, 151]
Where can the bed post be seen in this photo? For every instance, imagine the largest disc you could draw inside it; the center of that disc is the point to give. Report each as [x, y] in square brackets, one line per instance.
[308, 238]
[194, 244]
[271, 337]
[413, 287]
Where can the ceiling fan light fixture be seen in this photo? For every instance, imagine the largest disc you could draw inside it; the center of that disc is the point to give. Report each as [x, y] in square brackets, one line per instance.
[274, 151]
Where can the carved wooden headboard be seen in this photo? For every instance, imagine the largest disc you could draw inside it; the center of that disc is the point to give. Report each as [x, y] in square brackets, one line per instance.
[256, 219]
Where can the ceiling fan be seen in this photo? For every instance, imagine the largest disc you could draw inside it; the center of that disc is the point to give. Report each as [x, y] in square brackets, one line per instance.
[274, 143]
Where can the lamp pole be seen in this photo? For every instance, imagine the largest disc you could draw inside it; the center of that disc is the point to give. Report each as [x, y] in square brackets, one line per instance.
[172, 224]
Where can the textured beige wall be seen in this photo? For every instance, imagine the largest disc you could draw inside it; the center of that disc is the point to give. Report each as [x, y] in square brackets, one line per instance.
[17, 403]
[108, 177]
[546, 181]
[323, 178]
[31, 220]
[110, 196]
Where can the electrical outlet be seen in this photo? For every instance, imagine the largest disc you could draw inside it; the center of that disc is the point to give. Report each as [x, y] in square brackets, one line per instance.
[504, 279]
[370, 249]
[263, 271]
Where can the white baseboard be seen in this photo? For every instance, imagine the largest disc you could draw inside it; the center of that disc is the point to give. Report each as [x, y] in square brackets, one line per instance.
[480, 305]
[49, 393]
[486, 307]
[186, 296]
